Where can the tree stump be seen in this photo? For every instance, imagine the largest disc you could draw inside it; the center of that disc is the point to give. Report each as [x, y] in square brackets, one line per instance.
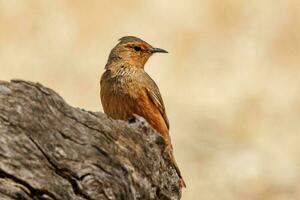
[50, 150]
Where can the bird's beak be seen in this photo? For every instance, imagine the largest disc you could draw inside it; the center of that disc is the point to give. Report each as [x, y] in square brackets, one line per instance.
[158, 50]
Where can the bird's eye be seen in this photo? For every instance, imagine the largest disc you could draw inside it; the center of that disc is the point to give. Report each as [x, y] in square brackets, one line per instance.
[136, 48]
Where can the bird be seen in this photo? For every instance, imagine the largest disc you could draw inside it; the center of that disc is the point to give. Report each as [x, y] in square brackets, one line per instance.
[126, 89]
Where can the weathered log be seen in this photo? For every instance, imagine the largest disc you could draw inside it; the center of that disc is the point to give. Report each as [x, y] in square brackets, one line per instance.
[50, 150]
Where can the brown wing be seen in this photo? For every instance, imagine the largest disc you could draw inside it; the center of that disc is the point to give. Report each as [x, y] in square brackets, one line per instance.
[154, 95]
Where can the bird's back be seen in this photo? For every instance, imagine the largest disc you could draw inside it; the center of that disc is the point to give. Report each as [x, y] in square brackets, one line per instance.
[125, 92]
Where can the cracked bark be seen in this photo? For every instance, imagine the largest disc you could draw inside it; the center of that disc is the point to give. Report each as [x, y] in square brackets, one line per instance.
[50, 150]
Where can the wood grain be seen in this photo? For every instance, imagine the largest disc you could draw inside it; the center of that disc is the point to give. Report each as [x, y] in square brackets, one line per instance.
[50, 150]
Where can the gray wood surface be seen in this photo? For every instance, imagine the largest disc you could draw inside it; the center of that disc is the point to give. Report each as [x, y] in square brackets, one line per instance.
[50, 150]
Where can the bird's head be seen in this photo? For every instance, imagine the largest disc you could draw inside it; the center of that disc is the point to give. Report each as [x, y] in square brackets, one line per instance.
[133, 51]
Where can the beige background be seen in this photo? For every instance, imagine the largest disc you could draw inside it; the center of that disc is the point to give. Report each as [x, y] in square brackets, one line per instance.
[231, 82]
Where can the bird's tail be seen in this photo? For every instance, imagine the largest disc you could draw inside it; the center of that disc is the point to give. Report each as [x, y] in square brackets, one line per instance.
[181, 183]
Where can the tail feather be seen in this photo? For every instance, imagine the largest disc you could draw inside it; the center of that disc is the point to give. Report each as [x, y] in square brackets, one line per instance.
[182, 182]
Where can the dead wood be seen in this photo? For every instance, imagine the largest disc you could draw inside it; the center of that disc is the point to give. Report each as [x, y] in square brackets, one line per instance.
[50, 150]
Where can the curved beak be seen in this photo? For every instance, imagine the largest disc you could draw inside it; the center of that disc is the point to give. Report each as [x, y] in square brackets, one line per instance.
[158, 50]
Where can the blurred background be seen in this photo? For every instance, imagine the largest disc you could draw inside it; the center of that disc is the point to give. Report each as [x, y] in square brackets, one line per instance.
[231, 82]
